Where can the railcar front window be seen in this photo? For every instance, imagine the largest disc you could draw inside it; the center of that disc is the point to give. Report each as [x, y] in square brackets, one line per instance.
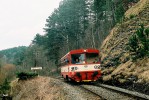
[92, 58]
[78, 58]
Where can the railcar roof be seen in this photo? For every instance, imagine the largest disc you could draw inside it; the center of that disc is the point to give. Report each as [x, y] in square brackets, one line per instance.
[84, 51]
[77, 51]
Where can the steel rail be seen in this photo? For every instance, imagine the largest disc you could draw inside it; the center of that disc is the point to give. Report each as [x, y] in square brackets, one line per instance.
[94, 93]
[125, 91]
[117, 89]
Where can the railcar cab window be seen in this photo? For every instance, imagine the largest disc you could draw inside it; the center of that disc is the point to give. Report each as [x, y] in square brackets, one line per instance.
[92, 58]
[78, 58]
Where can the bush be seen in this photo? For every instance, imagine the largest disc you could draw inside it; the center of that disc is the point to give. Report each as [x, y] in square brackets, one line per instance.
[132, 16]
[5, 87]
[139, 43]
[24, 75]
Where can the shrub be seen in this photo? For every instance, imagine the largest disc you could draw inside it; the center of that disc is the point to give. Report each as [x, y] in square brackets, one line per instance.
[139, 43]
[5, 87]
[131, 16]
[24, 75]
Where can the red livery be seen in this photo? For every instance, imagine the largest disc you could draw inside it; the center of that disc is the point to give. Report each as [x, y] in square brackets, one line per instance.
[82, 65]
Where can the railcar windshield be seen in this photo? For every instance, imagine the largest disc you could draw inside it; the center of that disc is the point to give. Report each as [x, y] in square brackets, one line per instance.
[92, 58]
[78, 58]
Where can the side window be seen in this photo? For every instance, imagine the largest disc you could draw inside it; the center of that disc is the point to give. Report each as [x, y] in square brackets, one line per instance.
[64, 62]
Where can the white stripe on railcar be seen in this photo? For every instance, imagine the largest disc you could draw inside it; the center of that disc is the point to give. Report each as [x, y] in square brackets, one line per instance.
[79, 68]
[64, 69]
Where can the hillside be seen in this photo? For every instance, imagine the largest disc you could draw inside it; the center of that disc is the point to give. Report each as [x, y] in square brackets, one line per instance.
[115, 56]
[13, 55]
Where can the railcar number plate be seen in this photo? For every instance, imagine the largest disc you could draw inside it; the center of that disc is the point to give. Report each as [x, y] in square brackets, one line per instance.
[74, 68]
[97, 66]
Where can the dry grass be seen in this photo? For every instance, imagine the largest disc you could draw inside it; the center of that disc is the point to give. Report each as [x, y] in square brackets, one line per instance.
[6, 71]
[139, 69]
[106, 78]
[115, 44]
[2, 77]
[136, 9]
[122, 68]
[145, 75]
[105, 44]
[39, 88]
[108, 37]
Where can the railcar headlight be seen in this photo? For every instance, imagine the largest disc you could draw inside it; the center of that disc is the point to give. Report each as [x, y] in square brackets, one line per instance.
[78, 74]
[95, 73]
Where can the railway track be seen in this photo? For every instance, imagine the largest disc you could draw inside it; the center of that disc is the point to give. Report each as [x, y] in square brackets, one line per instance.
[106, 92]
[139, 96]
[92, 92]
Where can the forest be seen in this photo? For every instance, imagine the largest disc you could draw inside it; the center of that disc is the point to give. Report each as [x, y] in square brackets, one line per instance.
[74, 24]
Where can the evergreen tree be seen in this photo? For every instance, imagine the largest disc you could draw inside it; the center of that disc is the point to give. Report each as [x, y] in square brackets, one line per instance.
[119, 12]
[139, 43]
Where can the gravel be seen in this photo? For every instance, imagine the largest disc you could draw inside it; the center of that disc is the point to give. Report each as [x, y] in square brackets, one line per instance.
[74, 92]
[108, 94]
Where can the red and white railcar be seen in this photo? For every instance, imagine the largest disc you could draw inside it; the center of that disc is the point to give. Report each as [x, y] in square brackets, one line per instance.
[82, 65]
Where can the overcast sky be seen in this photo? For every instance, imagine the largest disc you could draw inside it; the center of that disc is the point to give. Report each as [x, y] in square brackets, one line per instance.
[20, 20]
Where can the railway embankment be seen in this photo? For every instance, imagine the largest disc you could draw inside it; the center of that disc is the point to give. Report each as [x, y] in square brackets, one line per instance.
[40, 88]
[119, 69]
[46, 88]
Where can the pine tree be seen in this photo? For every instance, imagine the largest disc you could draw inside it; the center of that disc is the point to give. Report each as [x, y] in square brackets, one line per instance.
[139, 43]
